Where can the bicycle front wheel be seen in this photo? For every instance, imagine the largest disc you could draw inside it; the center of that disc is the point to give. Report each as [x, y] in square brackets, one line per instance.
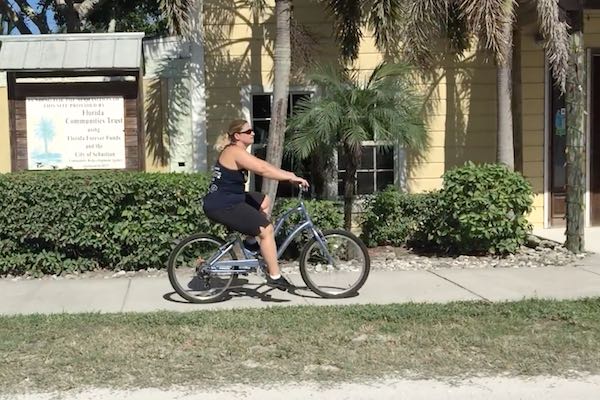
[185, 265]
[338, 271]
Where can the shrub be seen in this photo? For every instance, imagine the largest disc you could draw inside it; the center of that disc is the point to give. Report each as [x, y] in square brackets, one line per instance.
[391, 217]
[480, 209]
[324, 214]
[58, 221]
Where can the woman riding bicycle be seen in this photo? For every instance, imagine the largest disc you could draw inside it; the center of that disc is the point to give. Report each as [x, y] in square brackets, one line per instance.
[229, 204]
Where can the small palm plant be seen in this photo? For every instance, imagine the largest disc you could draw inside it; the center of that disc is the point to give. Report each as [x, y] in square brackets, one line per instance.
[386, 107]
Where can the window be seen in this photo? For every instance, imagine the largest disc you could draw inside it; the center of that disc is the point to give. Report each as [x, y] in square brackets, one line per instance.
[261, 112]
[261, 120]
[375, 172]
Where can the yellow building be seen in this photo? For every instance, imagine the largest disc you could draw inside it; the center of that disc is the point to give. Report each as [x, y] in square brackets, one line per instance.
[235, 80]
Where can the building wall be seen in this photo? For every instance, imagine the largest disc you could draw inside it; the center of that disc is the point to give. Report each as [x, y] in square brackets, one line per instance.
[157, 142]
[460, 118]
[533, 111]
[461, 125]
[4, 127]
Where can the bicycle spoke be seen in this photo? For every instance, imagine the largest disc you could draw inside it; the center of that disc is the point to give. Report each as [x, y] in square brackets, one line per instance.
[338, 271]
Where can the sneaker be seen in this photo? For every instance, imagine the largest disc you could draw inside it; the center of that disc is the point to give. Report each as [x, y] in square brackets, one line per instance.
[251, 247]
[280, 283]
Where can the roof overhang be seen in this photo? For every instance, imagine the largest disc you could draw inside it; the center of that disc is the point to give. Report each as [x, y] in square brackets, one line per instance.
[71, 52]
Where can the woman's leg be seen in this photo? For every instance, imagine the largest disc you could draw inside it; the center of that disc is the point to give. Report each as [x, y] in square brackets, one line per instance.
[268, 249]
[264, 206]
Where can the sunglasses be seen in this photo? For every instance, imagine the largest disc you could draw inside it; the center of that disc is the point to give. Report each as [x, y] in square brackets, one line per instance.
[247, 132]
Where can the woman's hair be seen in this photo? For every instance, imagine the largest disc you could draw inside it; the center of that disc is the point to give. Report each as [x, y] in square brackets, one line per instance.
[226, 138]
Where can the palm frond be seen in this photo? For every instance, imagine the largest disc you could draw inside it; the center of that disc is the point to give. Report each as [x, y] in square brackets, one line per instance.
[177, 14]
[257, 6]
[556, 39]
[487, 19]
[384, 107]
[457, 30]
[423, 25]
[312, 124]
[385, 19]
[347, 16]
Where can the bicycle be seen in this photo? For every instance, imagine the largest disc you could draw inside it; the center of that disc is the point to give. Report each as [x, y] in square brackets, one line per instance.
[333, 263]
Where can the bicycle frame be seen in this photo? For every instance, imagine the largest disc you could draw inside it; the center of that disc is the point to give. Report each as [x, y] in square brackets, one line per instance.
[251, 263]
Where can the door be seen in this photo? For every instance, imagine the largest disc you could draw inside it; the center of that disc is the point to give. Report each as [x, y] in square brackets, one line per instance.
[558, 176]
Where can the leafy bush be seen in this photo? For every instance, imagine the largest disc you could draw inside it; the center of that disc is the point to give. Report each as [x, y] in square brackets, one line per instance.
[480, 209]
[391, 217]
[324, 214]
[58, 221]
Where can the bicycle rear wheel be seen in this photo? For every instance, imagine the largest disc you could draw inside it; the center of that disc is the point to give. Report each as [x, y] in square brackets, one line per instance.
[344, 274]
[184, 269]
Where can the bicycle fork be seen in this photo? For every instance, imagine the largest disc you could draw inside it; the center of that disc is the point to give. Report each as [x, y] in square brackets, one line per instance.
[320, 238]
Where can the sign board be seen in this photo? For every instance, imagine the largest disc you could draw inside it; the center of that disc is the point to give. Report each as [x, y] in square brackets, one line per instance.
[75, 132]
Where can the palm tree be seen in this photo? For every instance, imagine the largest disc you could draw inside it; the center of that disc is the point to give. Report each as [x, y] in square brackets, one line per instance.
[418, 23]
[281, 88]
[385, 107]
[424, 22]
[45, 131]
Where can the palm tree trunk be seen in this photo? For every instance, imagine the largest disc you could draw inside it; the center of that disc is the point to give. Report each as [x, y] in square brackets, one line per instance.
[281, 83]
[324, 175]
[505, 153]
[330, 173]
[575, 149]
[353, 159]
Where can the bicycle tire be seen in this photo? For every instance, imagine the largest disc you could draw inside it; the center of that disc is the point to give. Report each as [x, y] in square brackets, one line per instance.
[356, 286]
[172, 265]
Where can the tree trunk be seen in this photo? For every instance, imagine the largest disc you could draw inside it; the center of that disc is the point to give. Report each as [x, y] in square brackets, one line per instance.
[330, 174]
[352, 161]
[349, 183]
[281, 82]
[505, 148]
[324, 175]
[13, 18]
[69, 12]
[575, 148]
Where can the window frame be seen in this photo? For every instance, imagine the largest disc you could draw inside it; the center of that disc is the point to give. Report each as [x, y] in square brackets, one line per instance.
[398, 169]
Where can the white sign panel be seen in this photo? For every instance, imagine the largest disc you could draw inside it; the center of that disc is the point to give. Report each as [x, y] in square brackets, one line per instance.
[75, 132]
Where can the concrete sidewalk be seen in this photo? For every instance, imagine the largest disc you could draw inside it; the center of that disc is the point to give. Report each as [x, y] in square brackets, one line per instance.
[383, 287]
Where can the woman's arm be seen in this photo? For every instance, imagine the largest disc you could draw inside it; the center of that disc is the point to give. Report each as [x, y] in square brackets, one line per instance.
[260, 167]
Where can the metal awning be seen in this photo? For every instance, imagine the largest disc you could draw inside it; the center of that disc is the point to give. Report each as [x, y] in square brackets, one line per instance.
[80, 51]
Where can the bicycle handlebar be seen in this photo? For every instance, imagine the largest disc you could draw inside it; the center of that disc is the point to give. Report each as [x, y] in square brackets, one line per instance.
[301, 189]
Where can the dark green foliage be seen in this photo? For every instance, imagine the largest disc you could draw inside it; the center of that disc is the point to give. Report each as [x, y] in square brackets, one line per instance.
[324, 214]
[480, 209]
[62, 221]
[130, 16]
[391, 217]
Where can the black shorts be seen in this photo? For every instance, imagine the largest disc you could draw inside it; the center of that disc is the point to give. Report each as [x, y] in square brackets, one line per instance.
[243, 217]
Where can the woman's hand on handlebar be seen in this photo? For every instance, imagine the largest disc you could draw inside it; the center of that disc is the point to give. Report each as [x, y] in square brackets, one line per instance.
[303, 183]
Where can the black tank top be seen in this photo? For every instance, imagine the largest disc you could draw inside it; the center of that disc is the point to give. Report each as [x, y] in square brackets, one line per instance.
[226, 188]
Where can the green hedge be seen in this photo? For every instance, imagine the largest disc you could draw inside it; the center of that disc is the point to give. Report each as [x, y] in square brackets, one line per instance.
[62, 221]
[324, 214]
[391, 217]
[480, 209]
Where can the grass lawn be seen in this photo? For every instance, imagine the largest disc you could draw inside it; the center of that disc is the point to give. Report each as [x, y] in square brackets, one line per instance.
[531, 337]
